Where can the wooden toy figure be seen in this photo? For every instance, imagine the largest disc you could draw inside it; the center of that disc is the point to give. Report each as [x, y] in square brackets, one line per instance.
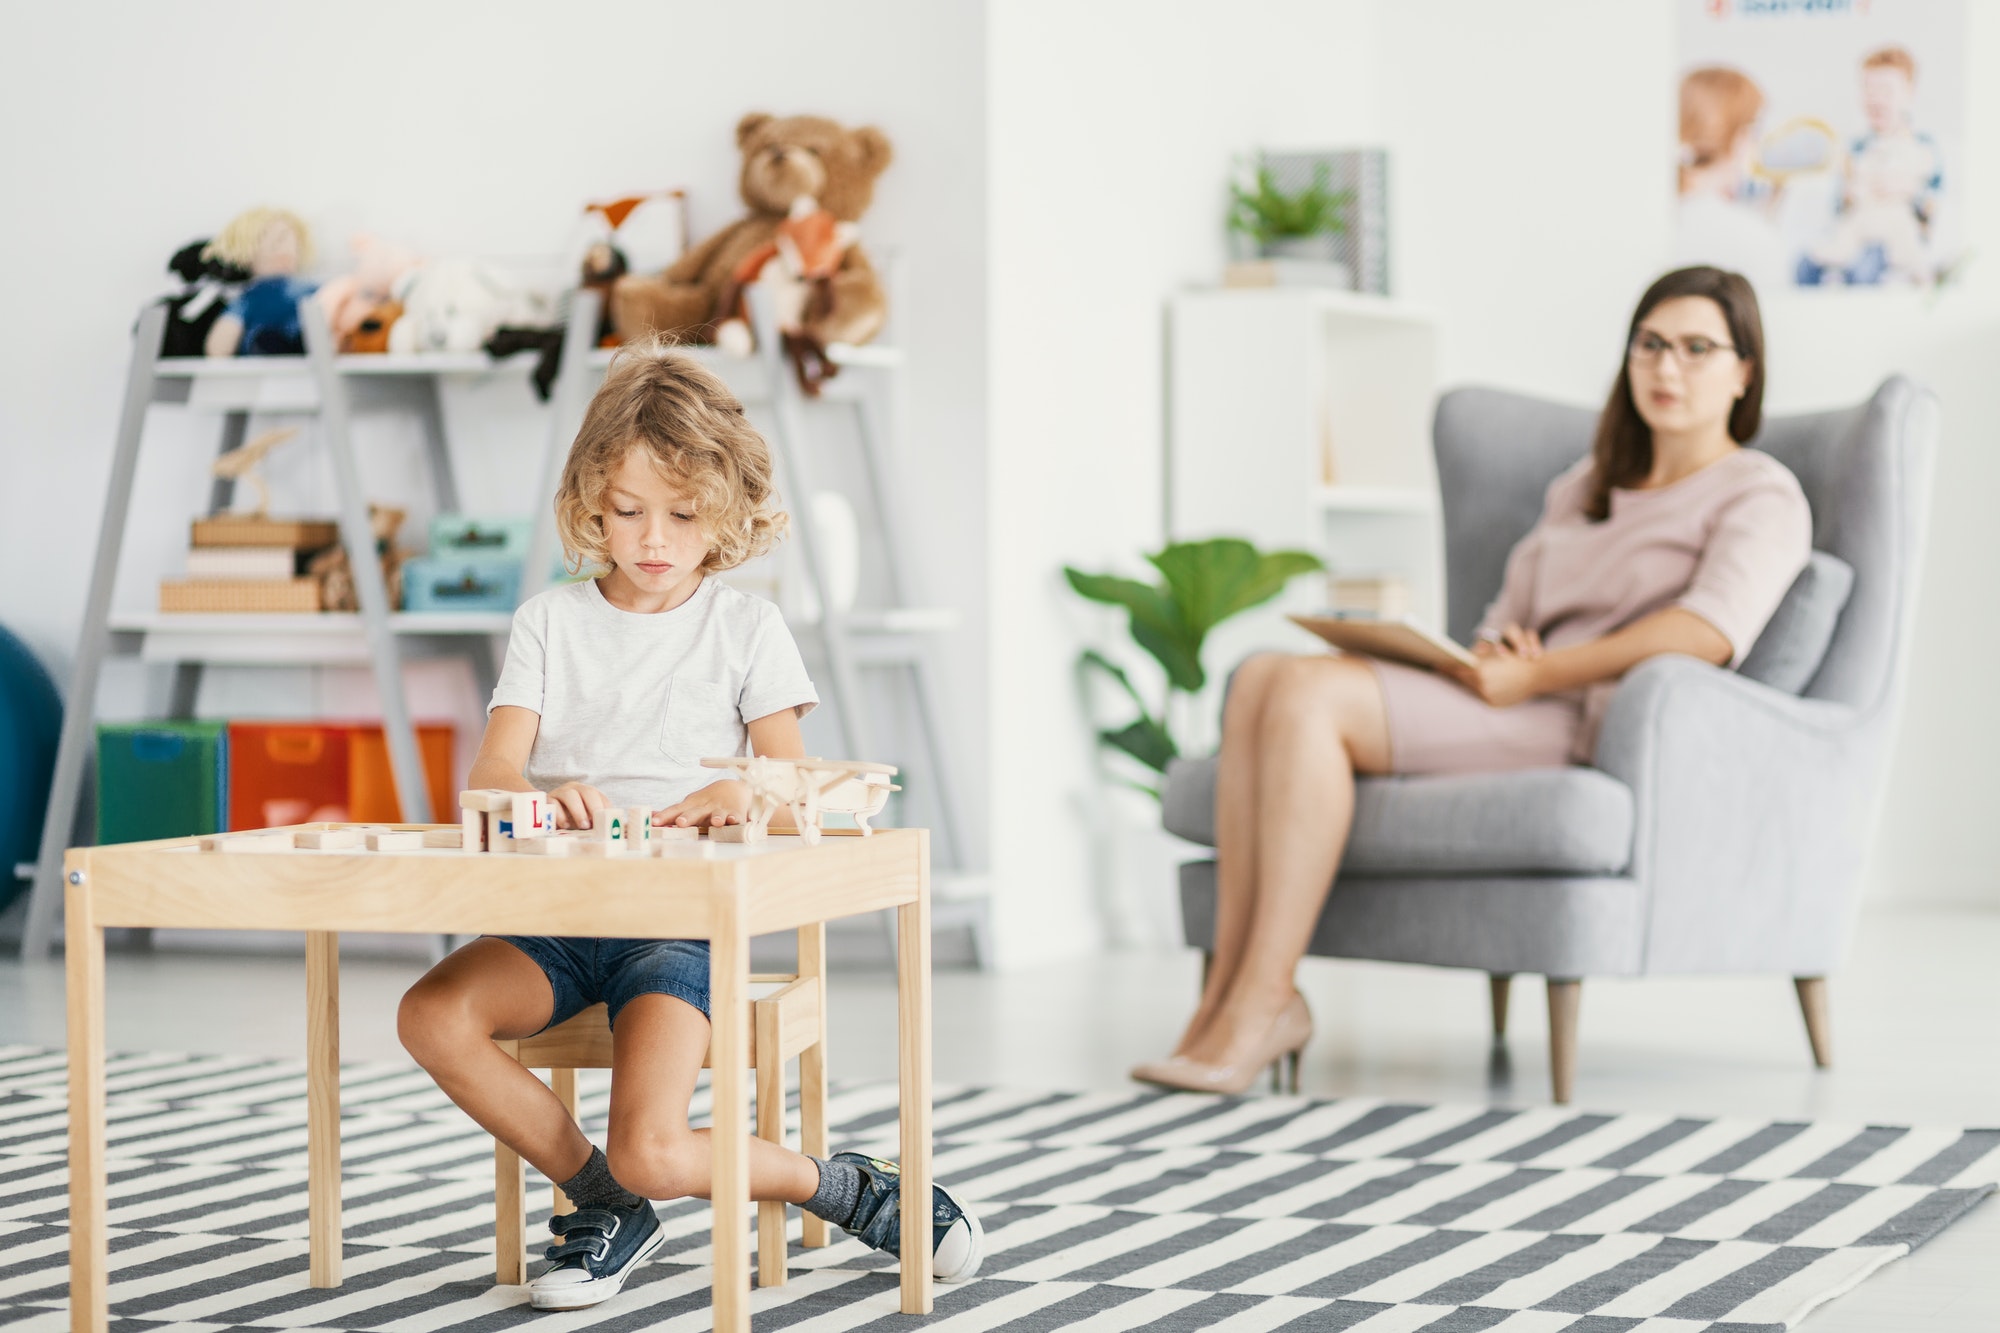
[810, 789]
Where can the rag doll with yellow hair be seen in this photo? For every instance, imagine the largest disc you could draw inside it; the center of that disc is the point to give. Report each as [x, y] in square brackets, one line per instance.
[264, 319]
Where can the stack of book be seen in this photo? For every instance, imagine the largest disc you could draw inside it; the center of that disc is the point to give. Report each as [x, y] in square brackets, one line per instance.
[248, 562]
[1381, 595]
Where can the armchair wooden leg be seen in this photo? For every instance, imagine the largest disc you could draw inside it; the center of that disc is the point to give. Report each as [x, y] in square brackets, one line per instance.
[1812, 1003]
[1564, 998]
[1502, 984]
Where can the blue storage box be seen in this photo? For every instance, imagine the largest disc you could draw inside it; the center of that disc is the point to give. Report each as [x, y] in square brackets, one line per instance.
[477, 537]
[431, 583]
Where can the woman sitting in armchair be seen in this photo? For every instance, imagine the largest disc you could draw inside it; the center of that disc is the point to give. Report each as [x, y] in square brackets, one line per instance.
[1669, 537]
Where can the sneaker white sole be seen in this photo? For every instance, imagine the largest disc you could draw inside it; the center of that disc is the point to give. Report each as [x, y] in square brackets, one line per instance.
[583, 1295]
[975, 1254]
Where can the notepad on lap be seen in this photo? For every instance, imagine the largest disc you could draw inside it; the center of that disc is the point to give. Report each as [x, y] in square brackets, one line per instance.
[1393, 639]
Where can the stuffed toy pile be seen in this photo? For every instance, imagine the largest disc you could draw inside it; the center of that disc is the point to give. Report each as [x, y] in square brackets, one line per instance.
[807, 181]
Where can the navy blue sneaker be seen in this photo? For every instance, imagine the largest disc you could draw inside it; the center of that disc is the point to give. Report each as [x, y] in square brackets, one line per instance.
[596, 1249]
[958, 1242]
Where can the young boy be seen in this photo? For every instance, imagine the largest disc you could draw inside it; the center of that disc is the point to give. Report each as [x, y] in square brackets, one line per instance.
[613, 690]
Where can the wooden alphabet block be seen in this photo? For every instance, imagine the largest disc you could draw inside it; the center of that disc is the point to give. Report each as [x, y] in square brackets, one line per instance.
[451, 837]
[530, 815]
[673, 833]
[328, 840]
[406, 840]
[472, 831]
[486, 799]
[639, 825]
[552, 846]
[739, 833]
[589, 846]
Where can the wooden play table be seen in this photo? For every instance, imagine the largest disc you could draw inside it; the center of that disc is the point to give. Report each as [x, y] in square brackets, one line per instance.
[722, 893]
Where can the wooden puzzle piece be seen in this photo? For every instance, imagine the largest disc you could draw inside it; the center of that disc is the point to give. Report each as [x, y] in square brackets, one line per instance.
[328, 840]
[248, 842]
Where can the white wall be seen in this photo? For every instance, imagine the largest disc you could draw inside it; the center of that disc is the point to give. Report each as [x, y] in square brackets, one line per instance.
[457, 128]
[1110, 132]
[1525, 219]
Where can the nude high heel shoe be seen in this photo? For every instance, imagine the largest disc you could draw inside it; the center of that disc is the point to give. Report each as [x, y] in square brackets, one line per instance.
[1283, 1043]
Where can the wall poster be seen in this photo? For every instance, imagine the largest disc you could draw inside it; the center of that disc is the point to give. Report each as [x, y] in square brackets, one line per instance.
[1820, 141]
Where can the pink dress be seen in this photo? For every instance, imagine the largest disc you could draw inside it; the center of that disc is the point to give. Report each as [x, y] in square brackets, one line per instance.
[1725, 543]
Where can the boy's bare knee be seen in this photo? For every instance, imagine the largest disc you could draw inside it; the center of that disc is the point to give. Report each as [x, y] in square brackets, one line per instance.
[670, 1164]
[432, 1022]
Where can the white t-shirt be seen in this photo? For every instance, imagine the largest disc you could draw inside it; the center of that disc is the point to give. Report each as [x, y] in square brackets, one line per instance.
[631, 703]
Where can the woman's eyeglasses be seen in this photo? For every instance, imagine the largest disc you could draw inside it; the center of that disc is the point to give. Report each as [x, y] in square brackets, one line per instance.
[1692, 351]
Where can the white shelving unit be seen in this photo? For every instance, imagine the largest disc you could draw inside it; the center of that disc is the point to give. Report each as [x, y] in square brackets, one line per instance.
[1301, 417]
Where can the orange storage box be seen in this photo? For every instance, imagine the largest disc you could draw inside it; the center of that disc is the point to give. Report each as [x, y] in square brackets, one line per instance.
[296, 772]
[371, 783]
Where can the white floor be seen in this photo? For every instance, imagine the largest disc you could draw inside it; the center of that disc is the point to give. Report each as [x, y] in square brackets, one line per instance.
[1913, 1017]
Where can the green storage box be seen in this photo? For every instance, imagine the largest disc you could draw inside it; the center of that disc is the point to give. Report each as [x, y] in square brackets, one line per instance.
[161, 780]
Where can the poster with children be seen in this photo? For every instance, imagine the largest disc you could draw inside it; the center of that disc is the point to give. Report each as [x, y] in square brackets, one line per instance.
[1820, 140]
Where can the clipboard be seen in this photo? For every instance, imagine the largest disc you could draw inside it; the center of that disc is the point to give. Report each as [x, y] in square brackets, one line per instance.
[1395, 639]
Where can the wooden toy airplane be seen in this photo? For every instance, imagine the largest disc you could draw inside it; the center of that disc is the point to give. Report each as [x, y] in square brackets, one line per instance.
[810, 789]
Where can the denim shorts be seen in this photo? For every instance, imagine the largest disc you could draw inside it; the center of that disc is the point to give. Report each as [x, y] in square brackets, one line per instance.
[583, 972]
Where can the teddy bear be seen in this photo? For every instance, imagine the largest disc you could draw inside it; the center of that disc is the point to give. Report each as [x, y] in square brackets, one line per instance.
[785, 159]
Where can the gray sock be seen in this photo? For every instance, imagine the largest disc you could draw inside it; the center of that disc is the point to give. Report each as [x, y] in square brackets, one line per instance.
[838, 1193]
[595, 1187]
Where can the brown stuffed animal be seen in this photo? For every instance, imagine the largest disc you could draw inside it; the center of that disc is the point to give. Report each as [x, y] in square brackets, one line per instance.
[784, 159]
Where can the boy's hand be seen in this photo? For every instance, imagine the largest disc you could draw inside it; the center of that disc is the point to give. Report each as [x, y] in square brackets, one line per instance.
[726, 801]
[577, 805]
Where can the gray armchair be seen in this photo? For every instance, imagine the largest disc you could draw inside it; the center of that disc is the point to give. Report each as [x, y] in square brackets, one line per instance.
[1720, 828]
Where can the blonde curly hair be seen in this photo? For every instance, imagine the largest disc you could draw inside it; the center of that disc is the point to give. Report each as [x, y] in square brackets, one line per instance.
[656, 399]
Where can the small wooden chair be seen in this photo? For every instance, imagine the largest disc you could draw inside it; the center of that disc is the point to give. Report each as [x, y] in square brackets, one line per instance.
[790, 1021]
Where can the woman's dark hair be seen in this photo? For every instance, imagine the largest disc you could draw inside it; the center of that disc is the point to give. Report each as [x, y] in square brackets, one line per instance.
[1622, 453]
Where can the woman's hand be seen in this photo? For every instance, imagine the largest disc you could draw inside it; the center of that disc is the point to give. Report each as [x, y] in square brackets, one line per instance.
[726, 801]
[577, 805]
[1502, 678]
[1507, 671]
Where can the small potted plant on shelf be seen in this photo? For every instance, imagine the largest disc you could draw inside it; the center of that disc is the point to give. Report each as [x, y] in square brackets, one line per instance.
[1293, 234]
[1202, 584]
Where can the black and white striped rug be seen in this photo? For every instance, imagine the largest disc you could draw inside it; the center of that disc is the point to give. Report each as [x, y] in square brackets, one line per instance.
[1103, 1212]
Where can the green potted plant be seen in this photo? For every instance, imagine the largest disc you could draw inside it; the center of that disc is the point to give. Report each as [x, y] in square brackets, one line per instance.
[1201, 585]
[1290, 225]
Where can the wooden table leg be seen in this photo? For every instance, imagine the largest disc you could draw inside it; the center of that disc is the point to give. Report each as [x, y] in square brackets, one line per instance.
[816, 1231]
[323, 1105]
[913, 1013]
[729, 1055]
[89, 1235]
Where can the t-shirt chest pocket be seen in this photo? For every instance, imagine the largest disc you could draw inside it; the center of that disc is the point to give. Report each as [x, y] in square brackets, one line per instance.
[700, 721]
